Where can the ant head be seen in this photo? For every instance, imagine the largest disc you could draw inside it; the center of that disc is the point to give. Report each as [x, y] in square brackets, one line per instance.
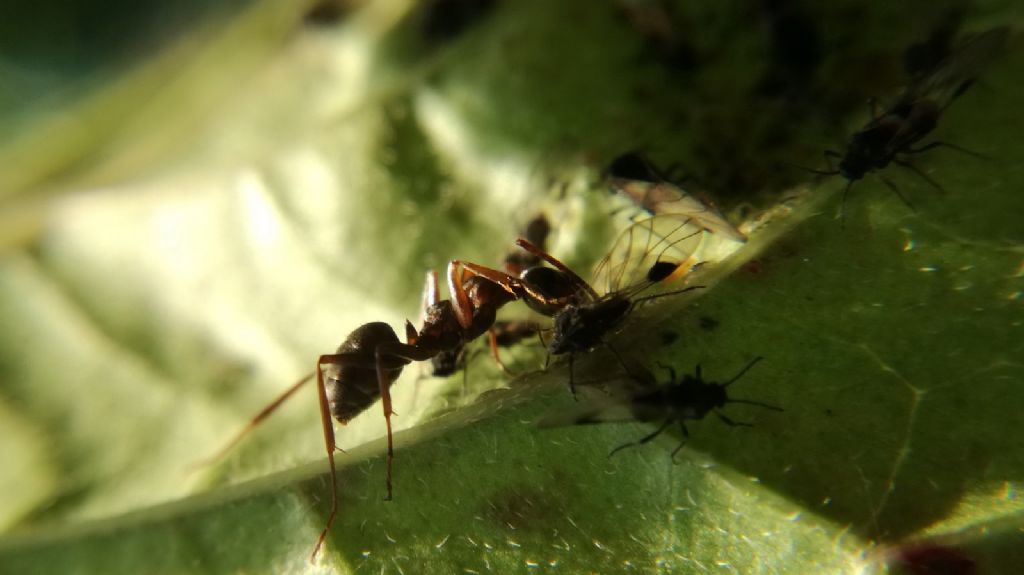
[553, 285]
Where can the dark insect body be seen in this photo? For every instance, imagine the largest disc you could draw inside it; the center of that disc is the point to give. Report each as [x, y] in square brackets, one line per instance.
[583, 319]
[895, 134]
[673, 401]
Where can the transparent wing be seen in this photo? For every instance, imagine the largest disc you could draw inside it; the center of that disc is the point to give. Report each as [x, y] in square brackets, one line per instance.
[663, 198]
[969, 58]
[667, 240]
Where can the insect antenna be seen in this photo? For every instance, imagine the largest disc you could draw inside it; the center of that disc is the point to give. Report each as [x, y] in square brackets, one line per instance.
[757, 403]
[738, 375]
[643, 439]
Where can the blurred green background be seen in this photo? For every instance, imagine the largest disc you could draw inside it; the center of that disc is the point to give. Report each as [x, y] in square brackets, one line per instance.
[196, 200]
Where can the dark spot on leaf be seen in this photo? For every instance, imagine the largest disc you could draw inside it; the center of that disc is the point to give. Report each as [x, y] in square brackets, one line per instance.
[521, 508]
[708, 323]
[933, 559]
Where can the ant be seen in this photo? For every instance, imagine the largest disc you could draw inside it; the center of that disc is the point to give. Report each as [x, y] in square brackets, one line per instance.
[372, 357]
[674, 401]
[891, 136]
[654, 193]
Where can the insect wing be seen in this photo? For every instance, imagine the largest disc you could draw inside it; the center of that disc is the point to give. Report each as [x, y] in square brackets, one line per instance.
[956, 73]
[617, 405]
[665, 199]
[636, 250]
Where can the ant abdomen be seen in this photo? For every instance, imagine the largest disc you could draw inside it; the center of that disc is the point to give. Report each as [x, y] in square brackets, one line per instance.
[351, 389]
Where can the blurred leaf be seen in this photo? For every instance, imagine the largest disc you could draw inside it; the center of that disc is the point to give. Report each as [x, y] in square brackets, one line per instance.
[152, 315]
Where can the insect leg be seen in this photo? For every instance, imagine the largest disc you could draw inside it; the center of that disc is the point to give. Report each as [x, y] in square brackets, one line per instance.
[329, 443]
[256, 420]
[686, 435]
[940, 144]
[732, 423]
[921, 174]
[396, 355]
[643, 439]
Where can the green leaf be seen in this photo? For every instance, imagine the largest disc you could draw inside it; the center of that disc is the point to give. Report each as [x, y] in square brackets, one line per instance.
[167, 291]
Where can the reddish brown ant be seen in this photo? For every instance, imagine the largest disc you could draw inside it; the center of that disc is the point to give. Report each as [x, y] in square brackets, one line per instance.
[371, 358]
[674, 401]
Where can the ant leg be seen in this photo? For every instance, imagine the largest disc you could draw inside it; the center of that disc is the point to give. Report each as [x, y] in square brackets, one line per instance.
[430, 294]
[254, 422]
[643, 439]
[329, 443]
[686, 435]
[516, 287]
[460, 300]
[732, 423]
[492, 339]
[400, 354]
